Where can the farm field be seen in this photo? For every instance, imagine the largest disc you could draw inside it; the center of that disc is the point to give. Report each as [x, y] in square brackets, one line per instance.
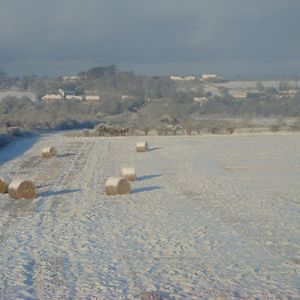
[209, 217]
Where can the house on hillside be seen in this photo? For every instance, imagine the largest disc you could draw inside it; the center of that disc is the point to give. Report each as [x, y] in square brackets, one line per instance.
[293, 93]
[211, 78]
[183, 78]
[201, 100]
[73, 97]
[71, 78]
[238, 94]
[52, 97]
[128, 97]
[286, 94]
[92, 98]
[61, 92]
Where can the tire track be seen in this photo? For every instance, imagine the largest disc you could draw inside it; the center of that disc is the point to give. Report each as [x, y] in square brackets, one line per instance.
[21, 214]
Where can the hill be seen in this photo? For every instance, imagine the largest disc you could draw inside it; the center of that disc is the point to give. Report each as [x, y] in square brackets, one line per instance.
[145, 101]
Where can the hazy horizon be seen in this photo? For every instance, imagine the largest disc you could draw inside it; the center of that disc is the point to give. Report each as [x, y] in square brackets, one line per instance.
[65, 37]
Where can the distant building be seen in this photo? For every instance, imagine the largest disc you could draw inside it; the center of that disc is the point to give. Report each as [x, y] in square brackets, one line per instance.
[201, 100]
[211, 78]
[71, 78]
[127, 97]
[61, 92]
[92, 98]
[286, 94]
[73, 97]
[52, 98]
[183, 78]
[238, 94]
[293, 92]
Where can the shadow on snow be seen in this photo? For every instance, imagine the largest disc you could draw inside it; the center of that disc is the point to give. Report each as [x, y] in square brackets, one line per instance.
[147, 177]
[146, 189]
[58, 193]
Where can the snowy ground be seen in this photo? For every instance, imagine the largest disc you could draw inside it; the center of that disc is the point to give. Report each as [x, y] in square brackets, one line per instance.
[210, 217]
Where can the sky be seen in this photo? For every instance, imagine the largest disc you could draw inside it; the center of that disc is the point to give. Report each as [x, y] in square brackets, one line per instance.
[155, 37]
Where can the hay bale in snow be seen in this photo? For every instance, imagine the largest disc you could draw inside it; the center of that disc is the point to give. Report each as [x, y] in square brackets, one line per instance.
[142, 146]
[129, 173]
[4, 183]
[48, 152]
[117, 185]
[19, 189]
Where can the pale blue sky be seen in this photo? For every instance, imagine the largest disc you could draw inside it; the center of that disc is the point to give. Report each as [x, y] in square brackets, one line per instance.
[152, 37]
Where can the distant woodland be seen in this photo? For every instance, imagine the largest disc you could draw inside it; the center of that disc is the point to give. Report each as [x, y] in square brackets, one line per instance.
[137, 101]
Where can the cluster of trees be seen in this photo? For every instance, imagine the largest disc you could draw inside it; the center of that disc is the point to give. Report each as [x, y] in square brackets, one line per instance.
[263, 106]
[24, 113]
[34, 83]
[113, 81]
[150, 99]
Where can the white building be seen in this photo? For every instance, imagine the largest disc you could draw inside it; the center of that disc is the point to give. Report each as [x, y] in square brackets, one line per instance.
[238, 94]
[201, 100]
[61, 92]
[211, 77]
[73, 97]
[293, 92]
[71, 78]
[92, 98]
[183, 78]
[52, 97]
[127, 97]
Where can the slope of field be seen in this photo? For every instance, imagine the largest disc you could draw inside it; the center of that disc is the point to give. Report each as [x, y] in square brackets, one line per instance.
[210, 216]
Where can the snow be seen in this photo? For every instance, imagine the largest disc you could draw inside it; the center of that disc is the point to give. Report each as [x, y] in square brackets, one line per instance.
[209, 217]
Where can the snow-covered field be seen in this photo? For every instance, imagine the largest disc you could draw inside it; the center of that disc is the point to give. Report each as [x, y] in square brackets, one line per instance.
[210, 217]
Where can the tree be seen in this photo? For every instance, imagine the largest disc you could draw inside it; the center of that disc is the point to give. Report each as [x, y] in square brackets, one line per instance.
[284, 86]
[3, 75]
[259, 86]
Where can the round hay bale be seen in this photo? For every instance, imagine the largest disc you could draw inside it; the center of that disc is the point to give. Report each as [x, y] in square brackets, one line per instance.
[142, 146]
[48, 152]
[4, 183]
[20, 188]
[129, 173]
[117, 185]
